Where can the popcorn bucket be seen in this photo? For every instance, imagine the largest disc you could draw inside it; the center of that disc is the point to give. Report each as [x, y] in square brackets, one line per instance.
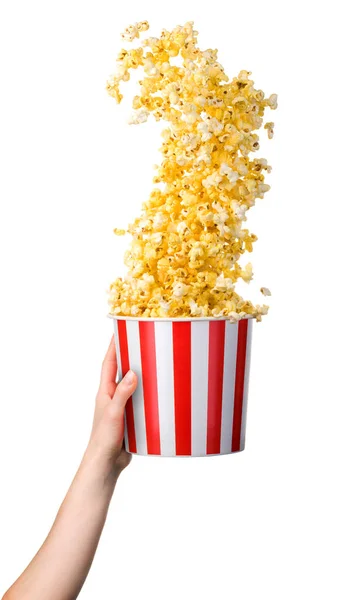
[192, 392]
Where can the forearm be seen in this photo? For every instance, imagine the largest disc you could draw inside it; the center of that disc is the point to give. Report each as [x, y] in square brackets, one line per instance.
[60, 567]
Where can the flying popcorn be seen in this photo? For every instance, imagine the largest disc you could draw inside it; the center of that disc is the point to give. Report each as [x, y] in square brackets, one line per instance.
[265, 291]
[185, 248]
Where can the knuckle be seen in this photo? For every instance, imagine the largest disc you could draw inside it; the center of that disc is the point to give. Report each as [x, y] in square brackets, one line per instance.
[112, 412]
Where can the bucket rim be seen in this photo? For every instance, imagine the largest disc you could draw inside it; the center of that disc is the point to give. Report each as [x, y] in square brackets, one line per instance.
[176, 319]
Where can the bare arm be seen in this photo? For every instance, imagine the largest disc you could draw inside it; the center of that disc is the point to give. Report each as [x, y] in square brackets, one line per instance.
[60, 567]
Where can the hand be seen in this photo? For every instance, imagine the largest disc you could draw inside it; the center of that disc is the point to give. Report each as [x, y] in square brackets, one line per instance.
[108, 424]
[60, 567]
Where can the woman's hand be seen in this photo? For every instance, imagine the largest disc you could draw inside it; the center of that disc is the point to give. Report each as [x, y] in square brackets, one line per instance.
[108, 424]
[60, 567]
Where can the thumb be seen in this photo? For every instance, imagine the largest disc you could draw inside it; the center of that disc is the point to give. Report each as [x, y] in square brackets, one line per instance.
[124, 390]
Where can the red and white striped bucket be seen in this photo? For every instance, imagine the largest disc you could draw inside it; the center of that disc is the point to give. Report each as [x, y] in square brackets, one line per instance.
[192, 392]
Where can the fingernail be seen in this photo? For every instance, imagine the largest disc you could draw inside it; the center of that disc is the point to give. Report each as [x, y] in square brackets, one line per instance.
[129, 378]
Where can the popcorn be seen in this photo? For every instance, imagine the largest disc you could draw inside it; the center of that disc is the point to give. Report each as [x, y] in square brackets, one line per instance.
[265, 291]
[132, 31]
[149, 67]
[231, 175]
[212, 180]
[239, 209]
[186, 244]
[139, 116]
[273, 101]
[247, 273]
[223, 283]
[270, 129]
[179, 289]
[195, 310]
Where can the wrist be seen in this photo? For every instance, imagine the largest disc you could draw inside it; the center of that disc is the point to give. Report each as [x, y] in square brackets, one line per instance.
[99, 468]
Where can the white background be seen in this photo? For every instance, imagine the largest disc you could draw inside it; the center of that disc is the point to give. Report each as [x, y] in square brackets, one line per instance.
[269, 523]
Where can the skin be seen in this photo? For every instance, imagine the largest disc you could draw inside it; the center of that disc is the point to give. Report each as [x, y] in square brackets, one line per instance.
[61, 565]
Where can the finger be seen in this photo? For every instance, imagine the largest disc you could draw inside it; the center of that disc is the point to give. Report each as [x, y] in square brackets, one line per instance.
[111, 428]
[109, 368]
[124, 390]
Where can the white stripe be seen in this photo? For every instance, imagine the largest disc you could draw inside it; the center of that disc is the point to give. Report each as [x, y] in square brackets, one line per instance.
[138, 397]
[118, 379]
[246, 384]
[126, 441]
[199, 386]
[118, 355]
[229, 377]
[165, 386]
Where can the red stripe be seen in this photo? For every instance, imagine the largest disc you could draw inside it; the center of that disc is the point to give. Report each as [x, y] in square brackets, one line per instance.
[122, 336]
[215, 382]
[182, 386]
[149, 376]
[239, 383]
